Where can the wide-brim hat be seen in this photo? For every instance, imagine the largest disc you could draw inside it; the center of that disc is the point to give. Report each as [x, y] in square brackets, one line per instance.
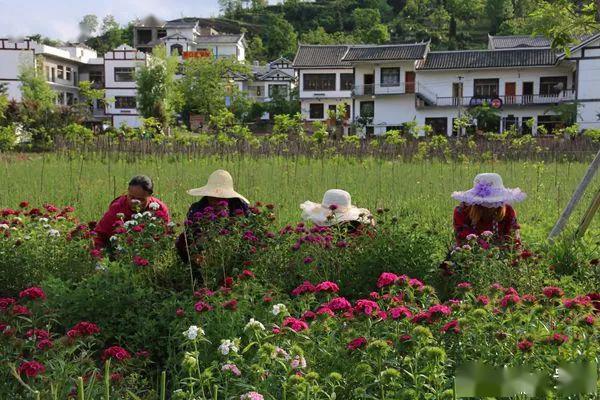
[220, 185]
[489, 191]
[336, 207]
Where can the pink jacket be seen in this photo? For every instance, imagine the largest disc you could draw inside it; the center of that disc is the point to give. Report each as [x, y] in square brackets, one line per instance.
[106, 226]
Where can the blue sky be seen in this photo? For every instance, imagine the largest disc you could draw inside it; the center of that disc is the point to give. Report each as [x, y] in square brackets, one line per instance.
[59, 18]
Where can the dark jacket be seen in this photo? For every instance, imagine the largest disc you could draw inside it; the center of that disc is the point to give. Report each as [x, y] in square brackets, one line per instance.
[186, 240]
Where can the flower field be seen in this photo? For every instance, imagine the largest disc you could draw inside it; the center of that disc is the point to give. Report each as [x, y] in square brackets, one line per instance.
[281, 309]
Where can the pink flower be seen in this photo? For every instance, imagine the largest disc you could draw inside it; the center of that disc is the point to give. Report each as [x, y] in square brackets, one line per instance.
[140, 261]
[203, 293]
[308, 316]
[180, 312]
[404, 338]
[231, 304]
[37, 334]
[295, 324]
[83, 329]
[308, 260]
[339, 304]
[400, 312]
[579, 301]
[451, 327]
[483, 300]
[368, 307]
[20, 310]
[31, 369]
[325, 311]
[298, 362]
[247, 274]
[44, 344]
[95, 253]
[357, 343]
[252, 396]
[415, 283]
[231, 368]
[420, 317]
[202, 306]
[438, 311]
[552, 291]
[525, 345]
[116, 352]
[589, 320]
[33, 293]
[528, 298]
[6, 302]
[464, 286]
[386, 279]
[557, 339]
[509, 299]
[327, 286]
[305, 287]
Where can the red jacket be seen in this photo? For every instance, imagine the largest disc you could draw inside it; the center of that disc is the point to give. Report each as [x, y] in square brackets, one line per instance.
[106, 226]
[503, 230]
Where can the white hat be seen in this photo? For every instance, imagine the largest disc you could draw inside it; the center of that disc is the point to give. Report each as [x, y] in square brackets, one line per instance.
[220, 185]
[336, 203]
[489, 191]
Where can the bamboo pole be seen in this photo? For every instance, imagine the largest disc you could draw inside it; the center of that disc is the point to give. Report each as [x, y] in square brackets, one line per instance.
[589, 215]
[587, 179]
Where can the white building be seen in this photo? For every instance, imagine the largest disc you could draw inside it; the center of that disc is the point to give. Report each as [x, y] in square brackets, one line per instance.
[522, 77]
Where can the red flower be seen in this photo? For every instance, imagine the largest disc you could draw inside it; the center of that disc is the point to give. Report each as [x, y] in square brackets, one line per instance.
[386, 279]
[267, 299]
[509, 299]
[525, 345]
[137, 228]
[589, 320]
[37, 334]
[24, 204]
[339, 304]
[142, 354]
[228, 282]
[308, 316]
[420, 317]
[50, 208]
[33, 293]
[202, 307]
[404, 338]
[438, 311]
[20, 310]
[44, 344]
[451, 327]
[400, 312]
[327, 286]
[357, 343]
[305, 287]
[203, 293]
[31, 369]
[247, 274]
[83, 329]
[415, 283]
[368, 307]
[180, 312]
[529, 298]
[117, 353]
[483, 300]
[579, 301]
[230, 305]
[464, 286]
[557, 339]
[295, 324]
[552, 291]
[140, 261]
[6, 302]
[96, 253]
[324, 310]
[525, 254]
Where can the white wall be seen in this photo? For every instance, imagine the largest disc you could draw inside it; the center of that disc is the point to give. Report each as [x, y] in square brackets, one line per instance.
[131, 121]
[589, 89]
[10, 64]
[305, 107]
[324, 94]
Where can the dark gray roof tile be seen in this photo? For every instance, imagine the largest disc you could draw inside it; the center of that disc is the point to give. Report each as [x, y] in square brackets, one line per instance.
[413, 51]
[320, 56]
[487, 59]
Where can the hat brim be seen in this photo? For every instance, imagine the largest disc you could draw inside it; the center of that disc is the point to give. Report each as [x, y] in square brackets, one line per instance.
[317, 214]
[206, 191]
[507, 196]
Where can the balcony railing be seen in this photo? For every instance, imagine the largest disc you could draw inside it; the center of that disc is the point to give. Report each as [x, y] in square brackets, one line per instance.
[517, 100]
[374, 89]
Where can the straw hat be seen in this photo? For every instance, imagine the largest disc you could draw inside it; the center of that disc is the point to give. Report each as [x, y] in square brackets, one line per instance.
[220, 184]
[489, 191]
[337, 203]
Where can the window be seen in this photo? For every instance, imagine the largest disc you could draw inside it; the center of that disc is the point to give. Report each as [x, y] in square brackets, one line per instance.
[70, 99]
[69, 73]
[319, 82]
[317, 111]
[486, 88]
[390, 76]
[48, 76]
[278, 90]
[53, 75]
[144, 36]
[553, 85]
[60, 72]
[439, 125]
[161, 33]
[96, 77]
[75, 78]
[177, 50]
[124, 74]
[367, 109]
[550, 122]
[125, 102]
[346, 81]
[527, 125]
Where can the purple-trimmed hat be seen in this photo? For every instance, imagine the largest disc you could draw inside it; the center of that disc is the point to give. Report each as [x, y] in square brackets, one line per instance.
[489, 191]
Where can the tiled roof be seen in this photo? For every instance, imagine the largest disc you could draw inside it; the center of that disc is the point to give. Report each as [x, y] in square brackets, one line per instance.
[189, 22]
[414, 51]
[218, 38]
[487, 59]
[513, 42]
[320, 56]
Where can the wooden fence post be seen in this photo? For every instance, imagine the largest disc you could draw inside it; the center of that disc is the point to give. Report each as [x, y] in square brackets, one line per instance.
[587, 179]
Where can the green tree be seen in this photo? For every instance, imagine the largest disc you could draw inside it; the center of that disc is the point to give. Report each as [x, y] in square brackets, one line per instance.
[207, 85]
[88, 25]
[230, 8]
[368, 26]
[320, 36]
[109, 23]
[89, 95]
[158, 95]
[35, 89]
[498, 12]
[256, 49]
[279, 37]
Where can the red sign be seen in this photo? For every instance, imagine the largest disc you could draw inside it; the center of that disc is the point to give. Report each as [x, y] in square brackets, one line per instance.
[196, 54]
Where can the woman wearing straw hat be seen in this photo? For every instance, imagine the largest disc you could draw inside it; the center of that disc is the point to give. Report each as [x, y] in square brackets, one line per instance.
[219, 195]
[486, 209]
[336, 209]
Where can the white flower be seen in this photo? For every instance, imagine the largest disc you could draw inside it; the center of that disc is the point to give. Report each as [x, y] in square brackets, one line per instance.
[46, 226]
[127, 224]
[136, 216]
[4, 226]
[53, 233]
[26, 237]
[147, 214]
[471, 236]
[193, 331]
[487, 233]
[466, 247]
[279, 308]
[113, 238]
[101, 267]
[120, 248]
[171, 224]
[154, 206]
[254, 324]
[136, 202]
[120, 215]
[227, 346]
[43, 220]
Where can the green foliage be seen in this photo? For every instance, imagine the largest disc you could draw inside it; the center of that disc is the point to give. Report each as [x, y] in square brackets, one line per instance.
[368, 26]
[8, 137]
[280, 38]
[320, 36]
[593, 134]
[35, 89]
[290, 126]
[76, 133]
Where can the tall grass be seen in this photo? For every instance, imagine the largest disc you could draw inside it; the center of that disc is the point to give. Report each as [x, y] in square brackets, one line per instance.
[418, 190]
